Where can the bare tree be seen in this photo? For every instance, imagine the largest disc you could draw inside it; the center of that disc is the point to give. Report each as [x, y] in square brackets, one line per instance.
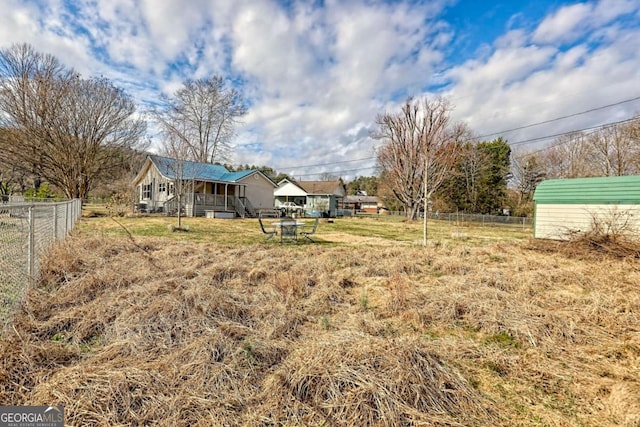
[609, 151]
[631, 131]
[10, 174]
[67, 128]
[471, 167]
[527, 173]
[569, 156]
[177, 151]
[203, 115]
[419, 147]
[615, 150]
[327, 176]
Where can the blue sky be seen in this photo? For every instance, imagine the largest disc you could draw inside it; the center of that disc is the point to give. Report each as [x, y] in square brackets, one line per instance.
[316, 73]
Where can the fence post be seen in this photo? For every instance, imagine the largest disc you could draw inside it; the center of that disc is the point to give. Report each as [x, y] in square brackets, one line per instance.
[32, 249]
[67, 209]
[55, 222]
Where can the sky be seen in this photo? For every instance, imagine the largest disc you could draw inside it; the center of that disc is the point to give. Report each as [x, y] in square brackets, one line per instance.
[316, 74]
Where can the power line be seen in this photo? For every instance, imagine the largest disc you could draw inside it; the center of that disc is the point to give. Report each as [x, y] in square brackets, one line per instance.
[526, 141]
[330, 163]
[557, 144]
[340, 172]
[592, 128]
[541, 138]
[562, 117]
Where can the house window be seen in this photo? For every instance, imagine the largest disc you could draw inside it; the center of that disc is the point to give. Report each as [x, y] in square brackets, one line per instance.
[146, 191]
[162, 187]
[171, 188]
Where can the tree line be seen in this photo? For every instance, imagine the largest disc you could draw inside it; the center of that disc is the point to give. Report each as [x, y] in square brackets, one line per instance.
[78, 136]
[431, 163]
[83, 136]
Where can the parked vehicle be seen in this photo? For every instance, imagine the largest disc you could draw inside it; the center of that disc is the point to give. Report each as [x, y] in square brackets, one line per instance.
[291, 207]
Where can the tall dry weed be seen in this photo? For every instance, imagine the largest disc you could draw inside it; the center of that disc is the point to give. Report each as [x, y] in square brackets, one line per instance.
[149, 331]
[351, 378]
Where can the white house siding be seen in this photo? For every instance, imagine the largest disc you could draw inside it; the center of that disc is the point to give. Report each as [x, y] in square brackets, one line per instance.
[157, 198]
[289, 189]
[289, 192]
[561, 221]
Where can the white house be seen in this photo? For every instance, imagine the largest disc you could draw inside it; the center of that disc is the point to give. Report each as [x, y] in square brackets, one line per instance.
[316, 197]
[564, 207]
[209, 189]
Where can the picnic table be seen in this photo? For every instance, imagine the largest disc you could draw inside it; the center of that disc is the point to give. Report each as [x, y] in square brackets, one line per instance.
[288, 229]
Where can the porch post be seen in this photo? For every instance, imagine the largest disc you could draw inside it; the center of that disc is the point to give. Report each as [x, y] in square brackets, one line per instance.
[226, 196]
[193, 199]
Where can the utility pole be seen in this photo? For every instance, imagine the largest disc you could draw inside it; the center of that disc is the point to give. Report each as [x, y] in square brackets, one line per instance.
[426, 200]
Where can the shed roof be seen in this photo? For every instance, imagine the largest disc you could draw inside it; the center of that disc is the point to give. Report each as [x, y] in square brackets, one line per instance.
[597, 190]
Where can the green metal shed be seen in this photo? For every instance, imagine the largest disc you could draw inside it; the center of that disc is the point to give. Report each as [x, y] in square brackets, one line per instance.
[564, 207]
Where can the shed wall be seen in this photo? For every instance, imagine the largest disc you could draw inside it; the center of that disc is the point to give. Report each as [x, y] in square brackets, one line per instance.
[560, 221]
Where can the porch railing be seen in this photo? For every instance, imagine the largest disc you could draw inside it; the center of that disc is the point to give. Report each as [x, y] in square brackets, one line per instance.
[244, 208]
[196, 204]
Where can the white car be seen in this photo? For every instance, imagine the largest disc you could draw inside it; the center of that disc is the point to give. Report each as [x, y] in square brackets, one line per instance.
[290, 207]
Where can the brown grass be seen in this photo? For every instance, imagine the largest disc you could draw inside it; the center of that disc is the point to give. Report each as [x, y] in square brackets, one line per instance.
[151, 331]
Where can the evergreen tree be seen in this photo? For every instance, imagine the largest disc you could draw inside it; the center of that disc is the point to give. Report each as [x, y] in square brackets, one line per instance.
[368, 184]
[478, 182]
[492, 194]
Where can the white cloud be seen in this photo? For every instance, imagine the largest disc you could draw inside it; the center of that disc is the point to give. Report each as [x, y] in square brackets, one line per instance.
[506, 66]
[606, 11]
[317, 77]
[574, 21]
[546, 83]
[565, 25]
[317, 71]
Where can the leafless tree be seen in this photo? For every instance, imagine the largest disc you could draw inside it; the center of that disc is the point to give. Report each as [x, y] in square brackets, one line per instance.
[632, 133]
[178, 151]
[609, 151]
[419, 148]
[327, 176]
[203, 114]
[569, 156]
[10, 175]
[472, 164]
[66, 128]
[527, 173]
[615, 150]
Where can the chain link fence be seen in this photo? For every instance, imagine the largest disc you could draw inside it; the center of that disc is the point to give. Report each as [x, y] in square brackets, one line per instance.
[460, 218]
[27, 230]
[485, 220]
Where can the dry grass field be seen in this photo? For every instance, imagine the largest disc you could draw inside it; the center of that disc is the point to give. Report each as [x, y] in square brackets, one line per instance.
[132, 324]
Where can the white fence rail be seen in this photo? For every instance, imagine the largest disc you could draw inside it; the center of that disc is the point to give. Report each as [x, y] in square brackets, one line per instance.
[27, 230]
